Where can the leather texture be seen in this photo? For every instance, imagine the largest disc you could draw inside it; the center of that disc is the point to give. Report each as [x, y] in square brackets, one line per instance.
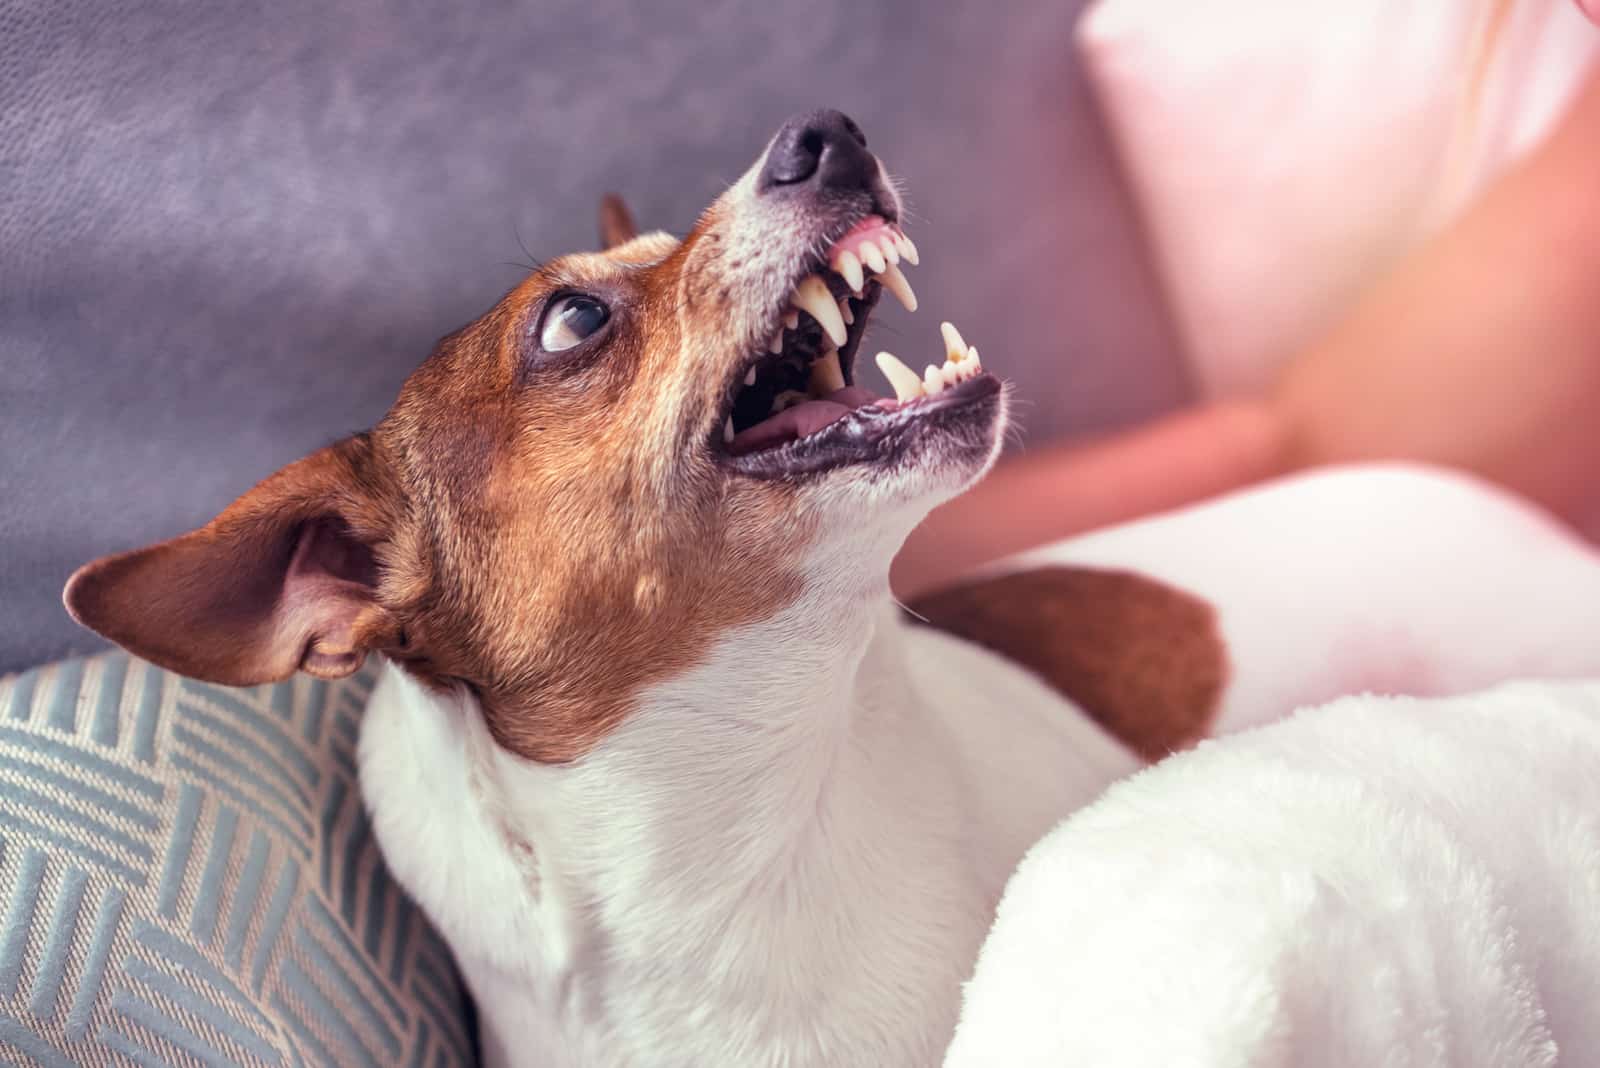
[188, 877]
[228, 230]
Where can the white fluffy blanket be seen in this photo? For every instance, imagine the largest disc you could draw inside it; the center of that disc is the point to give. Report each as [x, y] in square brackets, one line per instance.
[1380, 881]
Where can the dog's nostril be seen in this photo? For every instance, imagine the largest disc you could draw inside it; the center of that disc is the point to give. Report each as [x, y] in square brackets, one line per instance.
[794, 156]
[825, 147]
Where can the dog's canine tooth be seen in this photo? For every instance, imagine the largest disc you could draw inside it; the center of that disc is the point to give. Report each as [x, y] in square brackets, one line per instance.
[887, 246]
[972, 359]
[872, 257]
[932, 380]
[791, 319]
[774, 346]
[908, 250]
[849, 269]
[955, 348]
[845, 313]
[727, 431]
[826, 375]
[907, 386]
[812, 296]
[750, 377]
[896, 283]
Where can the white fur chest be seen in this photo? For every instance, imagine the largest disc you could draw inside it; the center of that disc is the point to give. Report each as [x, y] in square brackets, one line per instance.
[801, 880]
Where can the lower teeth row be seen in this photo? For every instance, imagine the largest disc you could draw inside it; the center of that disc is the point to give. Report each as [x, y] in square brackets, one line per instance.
[961, 363]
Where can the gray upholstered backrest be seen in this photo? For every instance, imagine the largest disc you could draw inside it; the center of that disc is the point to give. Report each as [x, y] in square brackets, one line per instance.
[228, 230]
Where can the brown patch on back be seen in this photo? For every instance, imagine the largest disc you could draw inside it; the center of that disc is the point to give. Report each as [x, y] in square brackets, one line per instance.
[1143, 659]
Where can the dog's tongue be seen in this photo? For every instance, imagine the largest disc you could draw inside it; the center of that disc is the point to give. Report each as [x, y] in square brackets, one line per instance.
[803, 419]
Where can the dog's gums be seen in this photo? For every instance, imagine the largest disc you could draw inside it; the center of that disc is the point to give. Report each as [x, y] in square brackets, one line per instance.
[794, 396]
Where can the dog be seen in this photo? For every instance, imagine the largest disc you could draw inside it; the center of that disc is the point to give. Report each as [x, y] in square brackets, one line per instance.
[654, 746]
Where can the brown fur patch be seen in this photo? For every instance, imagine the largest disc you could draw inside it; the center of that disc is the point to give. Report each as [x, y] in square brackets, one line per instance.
[553, 531]
[571, 546]
[1145, 660]
[548, 530]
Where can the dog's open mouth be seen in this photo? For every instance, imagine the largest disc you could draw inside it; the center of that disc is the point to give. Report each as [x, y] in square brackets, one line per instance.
[796, 406]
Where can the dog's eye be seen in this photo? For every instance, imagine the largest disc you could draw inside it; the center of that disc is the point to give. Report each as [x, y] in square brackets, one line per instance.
[569, 320]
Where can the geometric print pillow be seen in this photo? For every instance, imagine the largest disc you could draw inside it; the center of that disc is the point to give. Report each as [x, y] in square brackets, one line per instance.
[188, 877]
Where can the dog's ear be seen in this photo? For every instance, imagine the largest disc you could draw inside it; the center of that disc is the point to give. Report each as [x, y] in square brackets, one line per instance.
[616, 222]
[285, 579]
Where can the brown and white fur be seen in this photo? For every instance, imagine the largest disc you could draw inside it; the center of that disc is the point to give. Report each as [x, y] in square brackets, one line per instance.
[653, 746]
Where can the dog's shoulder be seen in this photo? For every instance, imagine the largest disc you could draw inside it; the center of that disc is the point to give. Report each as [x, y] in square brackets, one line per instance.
[1146, 660]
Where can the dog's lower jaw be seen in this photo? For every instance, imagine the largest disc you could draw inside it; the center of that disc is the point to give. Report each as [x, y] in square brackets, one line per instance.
[788, 855]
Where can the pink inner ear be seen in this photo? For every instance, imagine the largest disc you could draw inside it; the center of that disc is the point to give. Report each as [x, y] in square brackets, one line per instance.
[327, 549]
[327, 595]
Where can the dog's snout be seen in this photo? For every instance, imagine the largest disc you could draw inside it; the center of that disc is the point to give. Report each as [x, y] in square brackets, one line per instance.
[822, 149]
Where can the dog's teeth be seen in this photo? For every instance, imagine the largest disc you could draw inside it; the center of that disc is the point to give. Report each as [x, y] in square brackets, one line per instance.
[908, 250]
[845, 313]
[791, 319]
[907, 386]
[932, 380]
[826, 375]
[955, 349]
[887, 246]
[727, 431]
[774, 346]
[750, 377]
[812, 296]
[788, 399]
[872, 257]
[973, 361]
[849, 269]
[896, 283]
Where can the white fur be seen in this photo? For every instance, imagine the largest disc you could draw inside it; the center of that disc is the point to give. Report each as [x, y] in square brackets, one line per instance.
[789, 854]
[1381, 881]
[786, 856]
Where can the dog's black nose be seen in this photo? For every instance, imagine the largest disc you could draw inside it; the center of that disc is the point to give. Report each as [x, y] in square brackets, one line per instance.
[825, 149]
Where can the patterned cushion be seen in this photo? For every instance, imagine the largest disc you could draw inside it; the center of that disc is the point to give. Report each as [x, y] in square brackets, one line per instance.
[187, 877]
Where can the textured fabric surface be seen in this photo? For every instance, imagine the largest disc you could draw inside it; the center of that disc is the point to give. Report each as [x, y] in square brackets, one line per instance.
[187, 877]
[228, 230]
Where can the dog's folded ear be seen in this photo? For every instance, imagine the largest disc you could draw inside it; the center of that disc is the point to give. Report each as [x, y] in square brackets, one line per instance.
[616, 222]
[285, 579]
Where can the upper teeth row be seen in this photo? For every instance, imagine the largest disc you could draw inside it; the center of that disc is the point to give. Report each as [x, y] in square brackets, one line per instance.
[960, 363]
[881, 256]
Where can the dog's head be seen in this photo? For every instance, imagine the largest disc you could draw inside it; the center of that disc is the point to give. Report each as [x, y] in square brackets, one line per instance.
[573, 496]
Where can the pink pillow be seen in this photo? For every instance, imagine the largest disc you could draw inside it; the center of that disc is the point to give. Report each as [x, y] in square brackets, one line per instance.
[1284, 153]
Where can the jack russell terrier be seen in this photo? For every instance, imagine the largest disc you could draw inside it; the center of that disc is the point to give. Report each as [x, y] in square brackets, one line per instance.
[654, 747]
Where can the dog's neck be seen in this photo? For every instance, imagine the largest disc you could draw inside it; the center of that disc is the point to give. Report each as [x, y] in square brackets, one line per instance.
[744, 845]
